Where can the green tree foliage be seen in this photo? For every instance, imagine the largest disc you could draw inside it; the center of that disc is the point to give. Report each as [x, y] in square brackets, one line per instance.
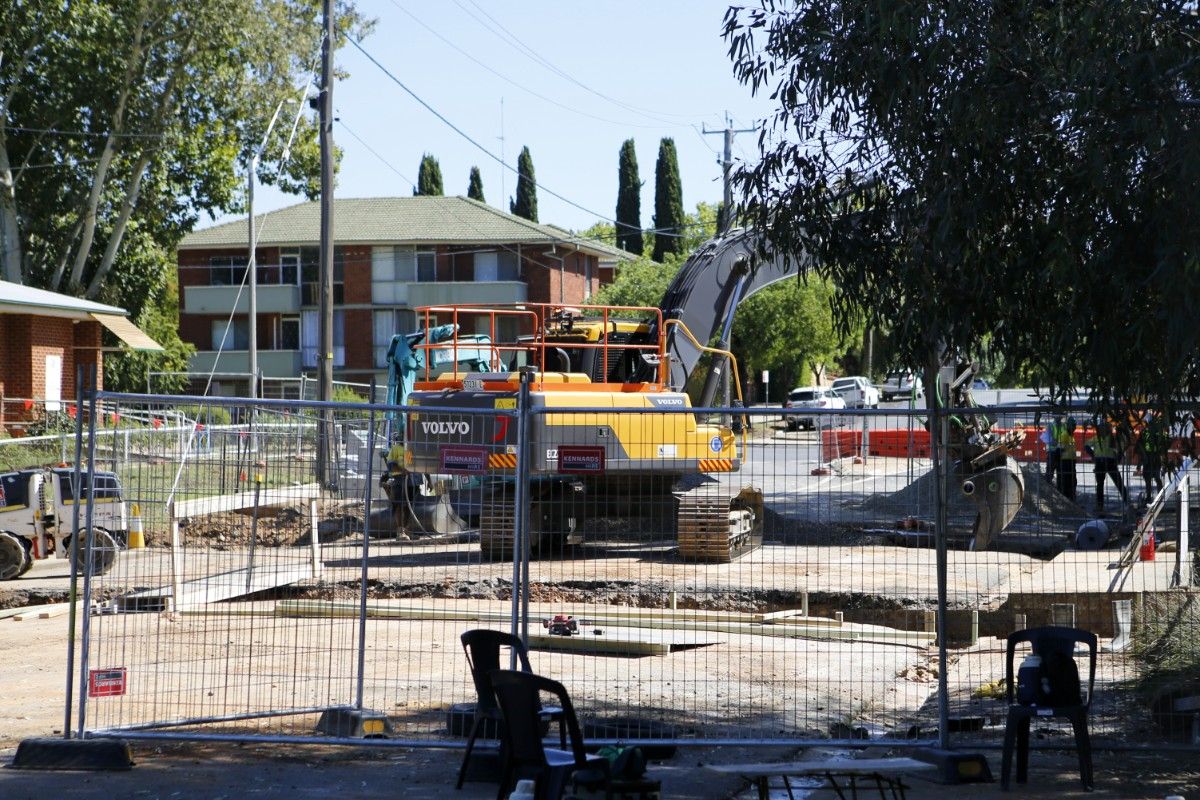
[1017, 175]
[668, 202]
[641, 282]
[629, 201]
[429, 178]
[475, 187]
[525, 204]
[122, 121]
[789, 329]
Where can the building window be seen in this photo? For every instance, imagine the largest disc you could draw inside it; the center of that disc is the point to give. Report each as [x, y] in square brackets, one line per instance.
[392, 269]
[386, 324]
[427, 267]
[310, 275]
[487, 267]
[310, 337]
[226, 270]
[289, 334]
[289, 267]
[235, 336]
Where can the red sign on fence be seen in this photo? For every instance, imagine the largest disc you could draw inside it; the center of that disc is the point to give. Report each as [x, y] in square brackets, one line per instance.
[106, 682]
[579, 458]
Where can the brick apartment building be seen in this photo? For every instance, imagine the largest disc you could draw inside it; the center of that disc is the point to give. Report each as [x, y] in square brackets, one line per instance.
[391, 256]
[46, 335]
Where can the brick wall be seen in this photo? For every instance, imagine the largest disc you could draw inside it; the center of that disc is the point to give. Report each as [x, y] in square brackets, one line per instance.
[356, 277]
[28, 339]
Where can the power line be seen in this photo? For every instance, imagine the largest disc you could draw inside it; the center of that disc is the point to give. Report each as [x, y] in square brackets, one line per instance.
[467, 136]
[100, 134]
[515, 83]
[513, 40]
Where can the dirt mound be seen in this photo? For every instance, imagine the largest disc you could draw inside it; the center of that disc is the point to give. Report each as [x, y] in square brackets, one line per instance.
[1042, 505]
[276, 527]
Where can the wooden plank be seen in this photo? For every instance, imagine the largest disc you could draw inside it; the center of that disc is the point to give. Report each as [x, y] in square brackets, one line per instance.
[801, 628]
[239, 501]
[214, 588]
[837, 766]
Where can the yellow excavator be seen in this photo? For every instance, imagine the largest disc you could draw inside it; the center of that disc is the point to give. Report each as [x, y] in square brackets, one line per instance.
[645, 449]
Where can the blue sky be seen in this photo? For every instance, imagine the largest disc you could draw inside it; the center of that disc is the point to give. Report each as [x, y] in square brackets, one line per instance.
[581, 79]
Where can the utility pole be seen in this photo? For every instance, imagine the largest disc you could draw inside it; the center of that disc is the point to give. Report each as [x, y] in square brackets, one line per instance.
[325, 469]
[727, 166]
[724, 221]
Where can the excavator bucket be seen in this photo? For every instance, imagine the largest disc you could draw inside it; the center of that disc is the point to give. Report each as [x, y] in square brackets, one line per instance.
[997, 493]
[419, 514]
[435, 515]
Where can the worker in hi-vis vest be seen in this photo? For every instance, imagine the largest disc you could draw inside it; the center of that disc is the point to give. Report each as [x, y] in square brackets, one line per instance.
[1106, 456]
[1066, 460]
[1050, 438]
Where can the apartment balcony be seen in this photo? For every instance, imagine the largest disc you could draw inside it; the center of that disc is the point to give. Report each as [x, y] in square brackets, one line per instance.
[272, 363]
[460, 292]
[219, 299]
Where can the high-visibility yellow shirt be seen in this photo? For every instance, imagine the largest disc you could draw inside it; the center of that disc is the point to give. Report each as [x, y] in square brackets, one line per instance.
[1066, 440]
[1103, 446]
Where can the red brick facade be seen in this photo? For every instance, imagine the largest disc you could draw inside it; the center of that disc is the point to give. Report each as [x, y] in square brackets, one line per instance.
[28, 340]
[552, 275]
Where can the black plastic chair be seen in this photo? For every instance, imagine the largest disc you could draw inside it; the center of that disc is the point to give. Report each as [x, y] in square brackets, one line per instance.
[526, 754]
[483, 649]
[1048, 642]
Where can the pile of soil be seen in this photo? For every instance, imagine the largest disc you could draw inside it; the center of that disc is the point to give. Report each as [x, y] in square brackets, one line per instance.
[288, 526]
[1043, 508]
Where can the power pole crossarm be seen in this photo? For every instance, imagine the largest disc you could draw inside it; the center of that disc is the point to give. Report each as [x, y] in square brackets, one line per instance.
[727, 168]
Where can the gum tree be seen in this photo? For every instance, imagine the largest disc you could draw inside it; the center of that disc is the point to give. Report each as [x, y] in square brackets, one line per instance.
[1020, 176]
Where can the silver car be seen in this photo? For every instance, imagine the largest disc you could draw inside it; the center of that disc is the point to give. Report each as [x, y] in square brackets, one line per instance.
[810, 397]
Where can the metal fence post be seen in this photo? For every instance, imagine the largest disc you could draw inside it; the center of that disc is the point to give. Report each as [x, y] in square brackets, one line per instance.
[72, 597]
[1183, 556]
[520, 571]
[366, 552]
[86, 550]
[939, 436]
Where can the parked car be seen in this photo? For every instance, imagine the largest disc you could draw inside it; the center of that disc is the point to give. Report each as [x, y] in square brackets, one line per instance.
[980, 385]
[810, 397]
[857, 391]
[902, 383]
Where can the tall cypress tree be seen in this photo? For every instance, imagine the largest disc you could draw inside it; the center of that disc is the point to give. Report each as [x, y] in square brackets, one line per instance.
[668, 202]
[629, 202]
[475, 189]
[525, 204]
[429, 178]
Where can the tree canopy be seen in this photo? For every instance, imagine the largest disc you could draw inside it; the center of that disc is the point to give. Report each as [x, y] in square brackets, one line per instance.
[475, 186]
[123, 121]
[668, 202]
[525, 204]
[629, 201]
[1020, 176]
[429, 177]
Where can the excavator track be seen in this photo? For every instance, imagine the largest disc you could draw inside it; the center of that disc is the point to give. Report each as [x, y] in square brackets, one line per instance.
[497, 521]
[716, 526]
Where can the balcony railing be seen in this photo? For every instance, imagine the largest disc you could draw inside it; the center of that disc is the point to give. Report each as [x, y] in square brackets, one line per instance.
[219, 299]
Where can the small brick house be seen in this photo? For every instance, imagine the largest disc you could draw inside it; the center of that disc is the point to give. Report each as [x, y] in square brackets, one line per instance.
[45, 335]
[391, 256]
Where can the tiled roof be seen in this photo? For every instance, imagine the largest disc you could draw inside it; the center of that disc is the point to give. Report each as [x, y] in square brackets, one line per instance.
[17, 298]
[395, 220]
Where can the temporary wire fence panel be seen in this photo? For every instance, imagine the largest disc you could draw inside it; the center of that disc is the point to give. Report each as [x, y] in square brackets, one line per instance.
[685, 581]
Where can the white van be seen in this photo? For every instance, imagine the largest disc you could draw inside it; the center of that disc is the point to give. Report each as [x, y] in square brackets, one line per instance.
[857, 391]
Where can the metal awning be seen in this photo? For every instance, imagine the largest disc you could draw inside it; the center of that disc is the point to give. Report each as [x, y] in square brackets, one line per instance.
[127, 332]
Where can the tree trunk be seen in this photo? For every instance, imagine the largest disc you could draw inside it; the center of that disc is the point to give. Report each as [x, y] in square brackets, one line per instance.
[118, 232]
[10, 233]
[132, 68]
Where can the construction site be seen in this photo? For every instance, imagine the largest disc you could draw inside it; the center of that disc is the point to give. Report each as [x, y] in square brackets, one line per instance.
[256, 602]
